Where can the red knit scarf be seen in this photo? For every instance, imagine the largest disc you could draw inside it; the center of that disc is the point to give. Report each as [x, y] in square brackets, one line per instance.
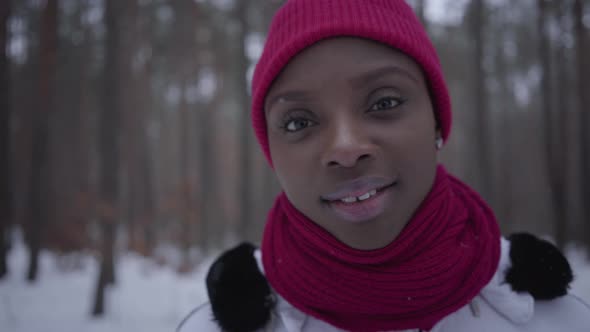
[440, 261]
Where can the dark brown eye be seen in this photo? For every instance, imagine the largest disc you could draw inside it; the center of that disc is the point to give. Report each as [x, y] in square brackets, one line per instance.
[385, 104]
[294, 125]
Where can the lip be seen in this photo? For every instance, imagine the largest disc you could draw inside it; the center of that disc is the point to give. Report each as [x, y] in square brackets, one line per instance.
[357, 187]
[361, 210]
[365, 210]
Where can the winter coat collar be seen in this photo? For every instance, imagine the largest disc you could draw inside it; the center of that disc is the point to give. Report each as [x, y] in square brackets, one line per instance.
[516, 307]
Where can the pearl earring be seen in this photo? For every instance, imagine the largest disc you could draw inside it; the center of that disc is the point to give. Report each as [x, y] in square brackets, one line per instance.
[439, 143]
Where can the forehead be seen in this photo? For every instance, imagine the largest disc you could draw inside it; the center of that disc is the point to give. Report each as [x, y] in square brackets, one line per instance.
[343, 57]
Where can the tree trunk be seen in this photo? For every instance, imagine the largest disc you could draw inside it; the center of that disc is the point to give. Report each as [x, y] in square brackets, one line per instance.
[560, 127]
[551, 127]
[144, 174]
[109, 147]
[39, 183]
[139, 174]
[134, 112]
[583, 71]
[184, 71]
[245, 132]
[146, 199]
[506, 148]
[106, 268]
[211, 218]
[547, 96]
[129, 123]
[187, 219]
[6, 193]
[206, 179]
[84, 135]
[482, 116]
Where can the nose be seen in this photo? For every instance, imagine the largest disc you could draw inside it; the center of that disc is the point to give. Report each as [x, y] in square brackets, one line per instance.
[348, 144]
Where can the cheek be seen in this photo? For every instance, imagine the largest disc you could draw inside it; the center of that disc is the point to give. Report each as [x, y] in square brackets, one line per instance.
[293, 168]
[418, 142]
[424, 155]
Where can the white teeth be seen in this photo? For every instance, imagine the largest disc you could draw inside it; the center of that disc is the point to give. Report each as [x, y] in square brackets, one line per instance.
[349, 199]
[359, 198]
[365, 196]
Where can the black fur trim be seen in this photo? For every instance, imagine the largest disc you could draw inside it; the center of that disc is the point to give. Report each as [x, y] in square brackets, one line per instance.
[241, 299]
[538, 267]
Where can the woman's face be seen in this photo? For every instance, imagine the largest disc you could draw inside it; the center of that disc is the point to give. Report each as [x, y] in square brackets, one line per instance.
[352, 138]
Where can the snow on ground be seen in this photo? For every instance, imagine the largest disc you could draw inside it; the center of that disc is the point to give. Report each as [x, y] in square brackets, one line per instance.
[147, 298]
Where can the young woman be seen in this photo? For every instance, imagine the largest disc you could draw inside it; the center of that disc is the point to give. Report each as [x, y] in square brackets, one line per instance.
[370, 233]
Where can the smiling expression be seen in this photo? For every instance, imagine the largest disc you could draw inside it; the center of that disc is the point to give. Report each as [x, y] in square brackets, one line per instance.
[352, 134]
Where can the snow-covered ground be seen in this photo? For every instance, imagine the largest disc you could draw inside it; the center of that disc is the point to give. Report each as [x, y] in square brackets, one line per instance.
[148, 297]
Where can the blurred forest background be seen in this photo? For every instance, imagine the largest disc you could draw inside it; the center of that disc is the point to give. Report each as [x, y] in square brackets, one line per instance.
[125, 124]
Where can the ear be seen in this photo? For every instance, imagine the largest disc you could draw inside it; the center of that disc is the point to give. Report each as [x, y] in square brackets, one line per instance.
[538, 267]
[240, 296]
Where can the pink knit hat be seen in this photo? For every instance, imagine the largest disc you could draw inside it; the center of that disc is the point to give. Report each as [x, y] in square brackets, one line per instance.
[301, 23]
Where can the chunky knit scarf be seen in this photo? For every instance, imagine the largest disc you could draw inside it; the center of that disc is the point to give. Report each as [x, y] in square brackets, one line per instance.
[440, 261]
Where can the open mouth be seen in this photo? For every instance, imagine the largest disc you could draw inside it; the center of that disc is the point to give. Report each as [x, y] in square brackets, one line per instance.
[362, 197]
[363, 206]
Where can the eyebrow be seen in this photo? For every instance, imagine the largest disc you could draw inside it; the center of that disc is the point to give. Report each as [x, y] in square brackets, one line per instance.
[288, 96]
[377, 73]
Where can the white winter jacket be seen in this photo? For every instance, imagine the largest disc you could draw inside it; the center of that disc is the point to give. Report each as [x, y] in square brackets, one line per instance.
[496, 309]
